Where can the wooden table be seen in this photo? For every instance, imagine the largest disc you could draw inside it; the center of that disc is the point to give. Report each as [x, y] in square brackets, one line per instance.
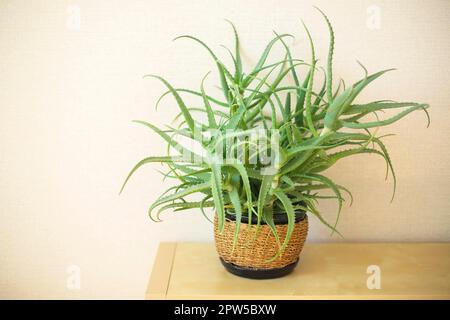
[325, 271]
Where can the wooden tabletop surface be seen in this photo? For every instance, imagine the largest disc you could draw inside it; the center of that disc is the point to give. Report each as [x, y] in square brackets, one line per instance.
[325, 271]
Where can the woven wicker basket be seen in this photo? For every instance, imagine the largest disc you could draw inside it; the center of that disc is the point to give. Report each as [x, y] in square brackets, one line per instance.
[254, 253]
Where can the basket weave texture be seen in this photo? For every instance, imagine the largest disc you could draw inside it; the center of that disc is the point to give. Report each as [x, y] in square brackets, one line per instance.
[254, 252]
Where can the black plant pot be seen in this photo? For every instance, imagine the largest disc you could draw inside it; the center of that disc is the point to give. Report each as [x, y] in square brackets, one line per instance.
[261, 274]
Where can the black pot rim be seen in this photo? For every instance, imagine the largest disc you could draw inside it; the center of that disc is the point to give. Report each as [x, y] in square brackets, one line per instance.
[260, 274]
[278, 218]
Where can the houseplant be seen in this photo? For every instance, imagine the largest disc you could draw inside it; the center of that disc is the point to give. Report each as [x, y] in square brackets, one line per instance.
[258, 158]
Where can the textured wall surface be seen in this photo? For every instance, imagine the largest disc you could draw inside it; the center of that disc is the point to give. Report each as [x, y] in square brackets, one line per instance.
[71, 82]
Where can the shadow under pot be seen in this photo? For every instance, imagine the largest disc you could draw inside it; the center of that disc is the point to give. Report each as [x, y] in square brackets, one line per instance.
[251, 255]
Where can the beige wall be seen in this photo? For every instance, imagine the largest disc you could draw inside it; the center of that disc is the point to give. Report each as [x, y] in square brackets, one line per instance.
[68, 94]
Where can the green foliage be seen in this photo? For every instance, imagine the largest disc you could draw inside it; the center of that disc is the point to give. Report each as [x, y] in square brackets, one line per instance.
[305, 133]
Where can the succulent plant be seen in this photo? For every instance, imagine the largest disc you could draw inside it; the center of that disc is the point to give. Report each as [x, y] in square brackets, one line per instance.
[265, 144]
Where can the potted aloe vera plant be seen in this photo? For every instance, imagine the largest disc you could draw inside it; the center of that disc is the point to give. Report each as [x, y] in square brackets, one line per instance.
[259, 153]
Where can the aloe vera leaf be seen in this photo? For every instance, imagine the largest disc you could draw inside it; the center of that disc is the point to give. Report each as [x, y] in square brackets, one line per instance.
[274, 89]
[287, 107]
[331, 120]
[211, 120]
[308, 114]
[345, 153]
[216, 190]
[361, 84]
[291, 219]
[278, 79]
[329, 59]
[201, 174]
[289, 58]
[193, 109]
[333, 187]
[255, 72]
[310, 145]
[347, 191]
[298, 138]
[181, 132]
[193, 92]
[319, 98]
[263, 97]
[299, 92]
[184, 206]
[295, 163]
[231, 55]
[299, 108]
[238, 71]
[389, 163]
[302, 94]
[286, 118]
[355, 125]
[311, 208]
[235, 201]
[180, 194]
[331, 117]
[266, 185]
[246, 183]
[202, 206]
[144, 161]
[288, 181]
[273, 114]
[366, 73]
[379, 105]
[242, 106]
[254, 174]
[387, 158]
[168, 139]
[220, 67]
[267, 98]
[184, 168]
[264, 56]
[267, 216]
[187, 116]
